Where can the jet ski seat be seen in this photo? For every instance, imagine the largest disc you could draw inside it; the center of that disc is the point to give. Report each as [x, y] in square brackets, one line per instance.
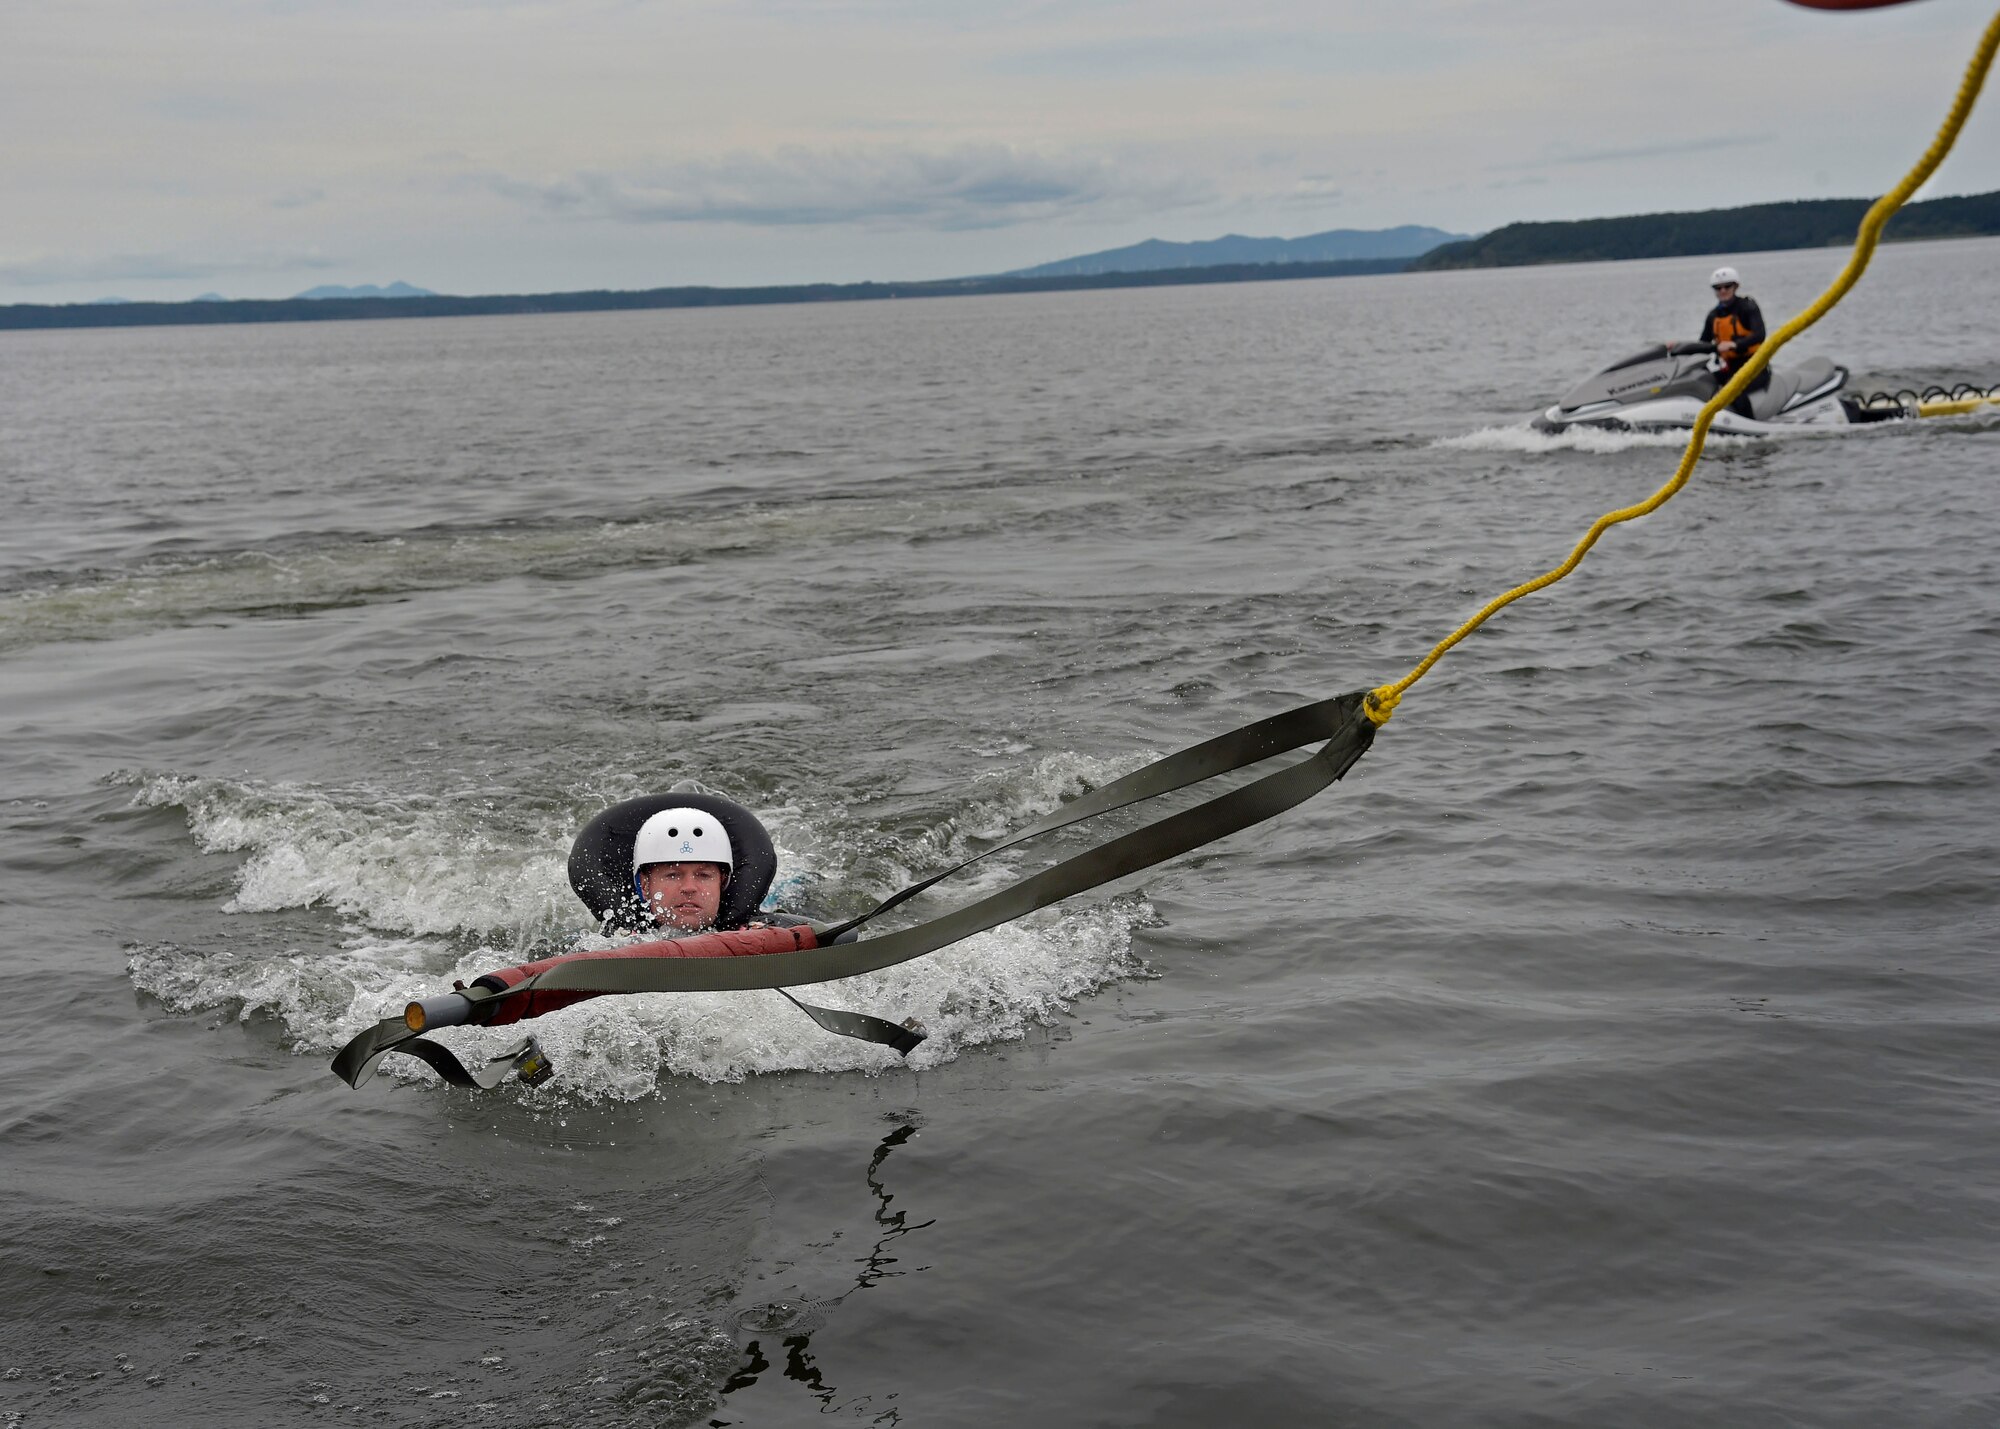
[1808, 376]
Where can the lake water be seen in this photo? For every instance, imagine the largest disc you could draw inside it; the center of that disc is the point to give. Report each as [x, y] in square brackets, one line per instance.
[1618, 1044]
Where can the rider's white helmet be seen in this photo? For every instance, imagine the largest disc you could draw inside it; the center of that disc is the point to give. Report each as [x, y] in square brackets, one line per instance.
[1723, 275]
[682, 836]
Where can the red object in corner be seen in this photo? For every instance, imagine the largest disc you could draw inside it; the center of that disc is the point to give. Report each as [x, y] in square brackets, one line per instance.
[1848, 4]
[744, 943]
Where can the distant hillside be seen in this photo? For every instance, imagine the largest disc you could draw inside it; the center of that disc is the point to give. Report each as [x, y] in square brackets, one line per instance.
[1805, 223]
[1334, 246]
[363, 290]
[291, 310]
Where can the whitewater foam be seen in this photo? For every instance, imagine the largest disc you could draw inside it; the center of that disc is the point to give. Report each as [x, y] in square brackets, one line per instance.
[1529, 441]
[429, 890]
[395, 862]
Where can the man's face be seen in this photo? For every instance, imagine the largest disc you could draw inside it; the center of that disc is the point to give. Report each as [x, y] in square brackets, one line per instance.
[682, 896]
[1724, 292]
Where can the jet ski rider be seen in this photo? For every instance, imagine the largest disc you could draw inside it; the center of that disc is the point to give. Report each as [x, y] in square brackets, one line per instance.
[1736, 326]
[682, 861]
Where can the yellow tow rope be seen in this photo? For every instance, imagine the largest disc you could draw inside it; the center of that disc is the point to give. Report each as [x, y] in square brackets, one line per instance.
[1381, 702]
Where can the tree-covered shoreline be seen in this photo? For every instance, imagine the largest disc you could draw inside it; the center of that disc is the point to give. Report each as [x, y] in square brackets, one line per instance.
[1804, 223]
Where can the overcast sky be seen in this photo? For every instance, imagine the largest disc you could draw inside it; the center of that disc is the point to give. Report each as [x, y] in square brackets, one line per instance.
[259, 147]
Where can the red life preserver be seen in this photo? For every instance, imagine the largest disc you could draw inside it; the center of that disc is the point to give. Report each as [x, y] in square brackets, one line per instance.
[1847, 4]
[743, 943]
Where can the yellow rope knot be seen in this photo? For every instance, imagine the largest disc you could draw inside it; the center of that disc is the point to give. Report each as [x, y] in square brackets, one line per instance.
[1380, 704]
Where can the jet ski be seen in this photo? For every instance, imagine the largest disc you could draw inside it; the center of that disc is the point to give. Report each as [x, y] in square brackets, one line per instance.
[1668, 384]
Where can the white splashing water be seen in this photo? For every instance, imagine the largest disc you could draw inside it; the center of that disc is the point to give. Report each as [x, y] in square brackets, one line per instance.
[1528, 441]
[390, 862]
[431, 890]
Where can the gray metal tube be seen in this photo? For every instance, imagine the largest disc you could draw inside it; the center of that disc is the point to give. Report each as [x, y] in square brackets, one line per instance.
[448, 1009]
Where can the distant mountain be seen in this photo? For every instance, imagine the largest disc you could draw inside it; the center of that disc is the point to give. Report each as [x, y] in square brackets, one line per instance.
[365, 290]
[294, 310]
[105, 302]
[211, 298]
[1803, 223]
[1332, 246]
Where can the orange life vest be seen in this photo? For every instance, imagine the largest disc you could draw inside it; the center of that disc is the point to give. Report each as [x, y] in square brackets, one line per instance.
[1728, 329]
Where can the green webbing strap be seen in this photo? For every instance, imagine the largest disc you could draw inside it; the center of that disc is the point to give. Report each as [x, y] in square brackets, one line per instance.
[1221, 755]
[902, 1037]
[1338, 721]
[359, 1059]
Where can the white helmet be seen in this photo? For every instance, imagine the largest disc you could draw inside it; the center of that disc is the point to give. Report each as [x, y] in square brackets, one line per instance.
[682, 836]
[1721, 276]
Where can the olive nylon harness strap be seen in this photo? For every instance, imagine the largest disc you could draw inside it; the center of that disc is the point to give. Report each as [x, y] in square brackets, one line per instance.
[1338, 722]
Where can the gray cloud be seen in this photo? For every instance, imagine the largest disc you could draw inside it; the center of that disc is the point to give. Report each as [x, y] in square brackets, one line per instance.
[1236, 51]
[205, 109]
[972, 187]
[149, 267]
[149, 133]
[1667, 149]
[1309, 190]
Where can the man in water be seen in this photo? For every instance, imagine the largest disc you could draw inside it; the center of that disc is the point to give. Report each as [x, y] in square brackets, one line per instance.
[681, 864]
[1736, 326]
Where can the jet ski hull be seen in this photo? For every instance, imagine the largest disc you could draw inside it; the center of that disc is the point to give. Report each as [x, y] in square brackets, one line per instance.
[1664, 388]
[1679, 413]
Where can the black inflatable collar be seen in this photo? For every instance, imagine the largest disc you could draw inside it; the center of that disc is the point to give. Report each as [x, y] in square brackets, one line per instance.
[600, 861]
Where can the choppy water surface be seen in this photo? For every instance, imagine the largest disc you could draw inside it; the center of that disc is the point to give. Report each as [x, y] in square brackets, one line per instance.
[1619, 1044]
